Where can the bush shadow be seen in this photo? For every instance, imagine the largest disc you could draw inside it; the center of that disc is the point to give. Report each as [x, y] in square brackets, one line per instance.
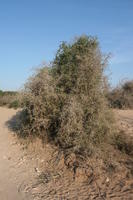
[14, 124]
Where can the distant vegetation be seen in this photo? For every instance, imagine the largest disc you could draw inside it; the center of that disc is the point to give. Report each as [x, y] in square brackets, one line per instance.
[65, 103]
[122, 96]
[10, 99]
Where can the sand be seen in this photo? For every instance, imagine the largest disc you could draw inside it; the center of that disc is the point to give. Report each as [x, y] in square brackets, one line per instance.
[14, 172]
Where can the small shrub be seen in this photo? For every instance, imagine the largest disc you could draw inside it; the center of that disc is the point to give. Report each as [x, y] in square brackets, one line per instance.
[122, 96]
[10, 99]
[14, 104]
[123, 143]
[1, 93]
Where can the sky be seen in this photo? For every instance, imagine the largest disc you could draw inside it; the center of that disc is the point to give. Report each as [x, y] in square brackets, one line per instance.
[32, 30]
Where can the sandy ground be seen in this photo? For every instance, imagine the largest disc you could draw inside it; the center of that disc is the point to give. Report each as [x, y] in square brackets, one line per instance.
[14, 171]
[124, 119]
[19, 170]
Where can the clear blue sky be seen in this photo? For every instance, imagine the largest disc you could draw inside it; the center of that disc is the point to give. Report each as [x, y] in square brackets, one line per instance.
[31, 31]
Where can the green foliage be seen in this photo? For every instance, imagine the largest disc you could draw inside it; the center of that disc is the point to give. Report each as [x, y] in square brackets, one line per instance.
[122, 96]
[65, 103]
[1, 92]
[71, 59]
[14, 104]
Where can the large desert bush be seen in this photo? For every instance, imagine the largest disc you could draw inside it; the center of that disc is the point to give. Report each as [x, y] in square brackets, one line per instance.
[122, 96]
[65, 103]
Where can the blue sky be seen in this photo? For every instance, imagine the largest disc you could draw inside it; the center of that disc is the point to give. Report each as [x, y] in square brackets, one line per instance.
[31, 31]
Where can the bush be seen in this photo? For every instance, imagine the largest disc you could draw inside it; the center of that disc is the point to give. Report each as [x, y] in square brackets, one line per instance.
[1, 92]
[10, 99]
[14, 104]
[122, 96]
[65, 103]
[124, 143]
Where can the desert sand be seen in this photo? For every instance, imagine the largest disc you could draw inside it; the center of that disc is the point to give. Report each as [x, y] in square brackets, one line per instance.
[14, 172]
